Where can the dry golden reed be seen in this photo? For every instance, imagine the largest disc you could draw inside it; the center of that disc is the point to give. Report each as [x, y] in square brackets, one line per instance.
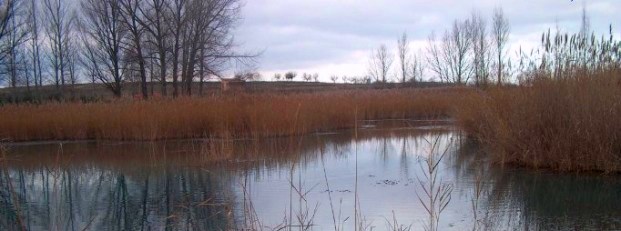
[569, 124]
[242, 115]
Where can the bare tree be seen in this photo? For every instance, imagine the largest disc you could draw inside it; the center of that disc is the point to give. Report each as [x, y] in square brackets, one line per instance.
[177, 23]
[103, 35]
[380, 63]
[416, 68]
[450, 59]
[435, 59]
[277, 77]
[247, 75]
[290, 75]
[185, 39]
[12, 51]
[59, 23]
[154, 15]
[500, 31]
[334, 78]
[480, 49]
[207, 38]
[202, 72]
[35, 41]
[73, 59]
[403, 50]
[307, 77]
[457, 45]
[7, 13]
[199, 18]
[130, 14]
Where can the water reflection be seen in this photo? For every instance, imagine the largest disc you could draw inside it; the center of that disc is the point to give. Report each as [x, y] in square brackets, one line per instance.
[529, 199]
[101, 199]
[288, 183]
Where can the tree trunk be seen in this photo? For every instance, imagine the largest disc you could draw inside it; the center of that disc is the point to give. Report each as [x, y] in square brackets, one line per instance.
[202, 71]
[163, 71]
[151, 77]
[176, 68]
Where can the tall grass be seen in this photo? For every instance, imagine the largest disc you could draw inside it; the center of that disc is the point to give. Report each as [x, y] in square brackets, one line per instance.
[564, 115]
[566, 124]
[243, 115]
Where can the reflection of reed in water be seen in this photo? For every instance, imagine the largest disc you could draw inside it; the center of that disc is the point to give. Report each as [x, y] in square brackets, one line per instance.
[10, 202]
[74, 197]
[231, 153]
[173, 184]
[301, 212]
[514, 198]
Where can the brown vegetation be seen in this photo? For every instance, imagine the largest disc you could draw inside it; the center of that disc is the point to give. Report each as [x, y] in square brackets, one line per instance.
[563, 124]
[243, 115]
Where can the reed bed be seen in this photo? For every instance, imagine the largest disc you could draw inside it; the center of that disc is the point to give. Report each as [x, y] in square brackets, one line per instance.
[565, 124]
[240, 115]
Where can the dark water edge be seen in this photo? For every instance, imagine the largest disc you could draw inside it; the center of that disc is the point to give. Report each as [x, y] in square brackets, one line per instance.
[281, 183]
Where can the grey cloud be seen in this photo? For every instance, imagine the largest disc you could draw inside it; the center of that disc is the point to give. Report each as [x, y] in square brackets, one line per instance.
[303, 34]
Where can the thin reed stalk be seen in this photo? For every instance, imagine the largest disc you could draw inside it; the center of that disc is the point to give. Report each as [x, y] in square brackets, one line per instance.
[356, 201]
[325, 176]
[436, 195]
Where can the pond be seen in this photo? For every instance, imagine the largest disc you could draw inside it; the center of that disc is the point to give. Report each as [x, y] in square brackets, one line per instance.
[376, 178]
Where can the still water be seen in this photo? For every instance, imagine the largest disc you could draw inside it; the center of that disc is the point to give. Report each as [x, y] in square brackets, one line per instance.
[299, 183]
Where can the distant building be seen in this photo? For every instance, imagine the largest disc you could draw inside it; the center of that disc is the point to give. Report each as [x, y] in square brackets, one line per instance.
[228, 85]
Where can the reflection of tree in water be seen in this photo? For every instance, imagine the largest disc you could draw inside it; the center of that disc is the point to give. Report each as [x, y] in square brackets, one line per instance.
[539, 199]
[404, 163]
[78, 199]
[141, 186]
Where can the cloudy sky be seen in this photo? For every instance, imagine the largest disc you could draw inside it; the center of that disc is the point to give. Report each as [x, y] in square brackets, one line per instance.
[336, 37]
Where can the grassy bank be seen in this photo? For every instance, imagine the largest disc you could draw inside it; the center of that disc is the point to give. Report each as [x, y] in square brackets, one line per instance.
[242, 115]
[566, 124]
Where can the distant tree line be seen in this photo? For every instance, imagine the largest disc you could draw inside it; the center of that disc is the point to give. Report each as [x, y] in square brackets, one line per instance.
[291, 75]
[468, 52]
[472, 51]
[156, 42]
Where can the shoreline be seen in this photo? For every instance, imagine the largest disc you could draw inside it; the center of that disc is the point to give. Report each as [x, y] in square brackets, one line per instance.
[439, 123]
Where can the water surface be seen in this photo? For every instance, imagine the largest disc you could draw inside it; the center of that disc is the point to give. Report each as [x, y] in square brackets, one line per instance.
[293, 182]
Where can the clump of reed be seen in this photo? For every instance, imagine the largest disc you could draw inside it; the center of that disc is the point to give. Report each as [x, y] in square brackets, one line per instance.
[242, 115]
[563, 115]
[563, 124]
